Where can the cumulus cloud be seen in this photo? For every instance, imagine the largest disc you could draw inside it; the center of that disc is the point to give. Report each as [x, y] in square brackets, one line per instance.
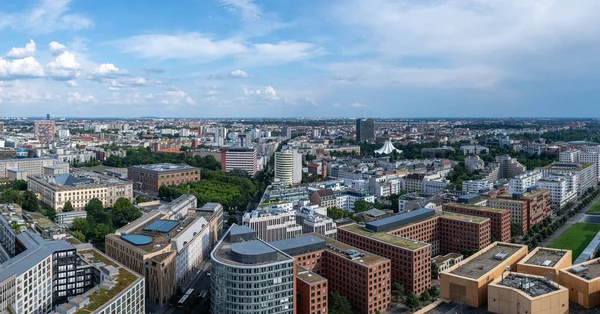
[45, 17]
[239, 74]
[71, 83]
[75, 97]
[268, 93]
[64, 67]
[20, 68]
[56, 48]
[176, 96]
[20, 53]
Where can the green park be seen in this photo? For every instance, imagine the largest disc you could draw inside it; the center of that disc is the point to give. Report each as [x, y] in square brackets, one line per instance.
[576, 238]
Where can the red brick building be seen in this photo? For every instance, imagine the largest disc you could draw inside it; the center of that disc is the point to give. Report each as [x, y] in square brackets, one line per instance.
[360, 276]
[311, 292]
[538, 205]
[411, 240]
[500, 218]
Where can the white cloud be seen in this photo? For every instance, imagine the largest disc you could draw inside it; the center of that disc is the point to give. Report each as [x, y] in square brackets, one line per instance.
[202, 48]
[75, 97]
[64, 67]
[176, 97]
[246, 9]
[268, 93]
[71, 83]
[239, 74]
[46, 17]
[20, 68]
[106, 69]
[16, 92]
[357, 105]
[20, 53]
[56, 48]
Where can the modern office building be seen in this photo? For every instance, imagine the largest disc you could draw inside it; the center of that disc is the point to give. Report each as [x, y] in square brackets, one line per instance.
[586, 173]
[274, 222]
[43, 275]
[410, 240]
[504, 167]
[79, 188]
[476, 186]
[286, 132]
[67, 218]
[590, 155]
[467, 282]
[32, 166]
[363, 278]
[149, 178]
[365, 130]
[522, 293]
[44, 130]
[518, 211]
[166, 249]
[311, 292]
[251, 276]
[239, 158]
[288, 166]
[500, 218]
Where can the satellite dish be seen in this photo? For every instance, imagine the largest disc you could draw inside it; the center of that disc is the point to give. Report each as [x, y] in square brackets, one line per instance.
[507, 268]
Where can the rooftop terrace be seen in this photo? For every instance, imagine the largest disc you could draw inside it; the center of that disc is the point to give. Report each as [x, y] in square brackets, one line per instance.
[485, 262]
[98, 297]
[545, 257]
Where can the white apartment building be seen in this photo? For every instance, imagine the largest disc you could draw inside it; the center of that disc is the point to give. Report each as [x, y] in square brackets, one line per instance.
[311, 222]
[192, 245]
[591, 157]
[585, 173]
[67, 218]
[64, 134]
[288, 166]
[474, 186]
[571, 155]
[562, 188]
[434, 183]
[32, 166]
[239, 158]
[521, 182]
[346, 199]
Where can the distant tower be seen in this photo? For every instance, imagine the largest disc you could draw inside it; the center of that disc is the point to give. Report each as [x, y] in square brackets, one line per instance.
[47, 116]
[195, 143]
[475, 151]
[324, 170]
[156, 147]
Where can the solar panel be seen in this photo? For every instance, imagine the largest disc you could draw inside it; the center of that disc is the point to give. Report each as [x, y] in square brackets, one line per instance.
[137, 239]
[163, 226]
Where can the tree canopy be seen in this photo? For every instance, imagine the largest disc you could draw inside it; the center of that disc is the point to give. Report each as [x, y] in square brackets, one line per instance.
[339, 304]
[68, 207]
[11, 196]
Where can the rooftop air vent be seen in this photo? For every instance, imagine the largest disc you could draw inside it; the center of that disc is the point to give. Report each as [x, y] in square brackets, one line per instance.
[501, 256]
[546, 262]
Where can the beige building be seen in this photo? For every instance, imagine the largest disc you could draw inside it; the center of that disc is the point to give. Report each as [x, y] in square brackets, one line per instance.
[467, 282]
[545, 262]
[583, 282]
[515, 293]
[79, 189]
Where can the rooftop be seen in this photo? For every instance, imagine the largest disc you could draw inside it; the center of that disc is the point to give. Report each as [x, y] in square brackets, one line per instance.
[98, 296]
[385, 237]
[345, 250]
[571, 166]
[588, 271]
[486, 261]
[545, 257]
[530, 285]
[308, 276]
[480, 208]
[80, 179]
[166, 167]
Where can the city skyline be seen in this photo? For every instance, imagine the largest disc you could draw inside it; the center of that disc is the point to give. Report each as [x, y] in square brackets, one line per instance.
[246, 58]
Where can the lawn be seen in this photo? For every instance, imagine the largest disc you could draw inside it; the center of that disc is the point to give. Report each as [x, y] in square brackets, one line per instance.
[576, 238]
[595, 209]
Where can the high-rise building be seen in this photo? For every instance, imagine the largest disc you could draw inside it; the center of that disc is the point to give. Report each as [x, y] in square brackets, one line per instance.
[220, 136]
[1, 127]
[250, 276]
[286, 132]
[239, 158]
[365, 130]
[44, 130]
[288, 166]
[586, 173]
[273, 223]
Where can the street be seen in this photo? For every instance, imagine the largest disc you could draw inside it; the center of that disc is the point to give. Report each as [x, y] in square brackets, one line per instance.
[201, 283]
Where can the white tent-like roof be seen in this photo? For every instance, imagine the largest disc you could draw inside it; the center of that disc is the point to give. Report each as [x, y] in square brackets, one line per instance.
[387, 148]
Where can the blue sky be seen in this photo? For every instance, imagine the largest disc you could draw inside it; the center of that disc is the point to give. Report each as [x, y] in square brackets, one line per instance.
[309, 58]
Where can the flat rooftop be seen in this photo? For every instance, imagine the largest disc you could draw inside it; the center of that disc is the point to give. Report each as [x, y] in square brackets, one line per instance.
[482, 264]
[545, 257]
[387, 238]
[308, 276]
[532, 286]
[479, 208]
[341, 249]
[163, 168]
[98, 297]
[588, 271]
